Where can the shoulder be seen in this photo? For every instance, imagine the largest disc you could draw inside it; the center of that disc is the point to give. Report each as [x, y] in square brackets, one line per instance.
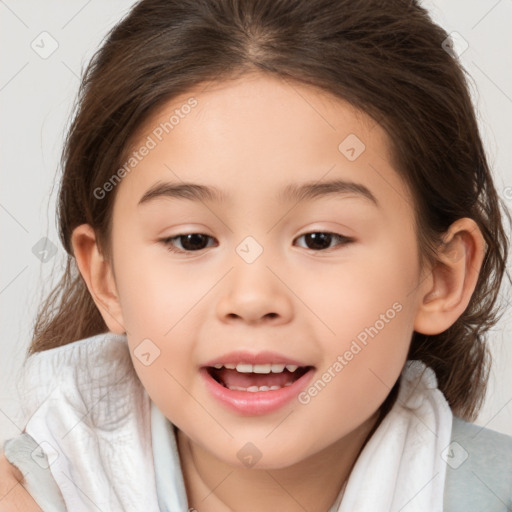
[13, 495]
[479, 469]
[483, 443]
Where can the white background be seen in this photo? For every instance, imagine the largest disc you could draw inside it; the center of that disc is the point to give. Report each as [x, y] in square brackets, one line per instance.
[36, 97]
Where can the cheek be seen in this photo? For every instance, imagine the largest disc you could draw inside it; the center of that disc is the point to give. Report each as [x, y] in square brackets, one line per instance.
[157, 302]
[365, 358]
[354, 295]
[154, 294]
[370, 315]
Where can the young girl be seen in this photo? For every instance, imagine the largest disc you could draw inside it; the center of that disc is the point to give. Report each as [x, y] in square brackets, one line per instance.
[285, 250]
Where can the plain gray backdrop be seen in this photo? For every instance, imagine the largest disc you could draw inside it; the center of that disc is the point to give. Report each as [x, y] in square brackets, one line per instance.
[45, 46]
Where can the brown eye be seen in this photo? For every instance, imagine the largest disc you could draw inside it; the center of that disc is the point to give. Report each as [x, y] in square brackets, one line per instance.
[321, 241]
[193, 242]
[190, 242]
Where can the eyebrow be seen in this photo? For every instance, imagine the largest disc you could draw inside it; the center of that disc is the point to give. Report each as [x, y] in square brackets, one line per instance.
[292, 192]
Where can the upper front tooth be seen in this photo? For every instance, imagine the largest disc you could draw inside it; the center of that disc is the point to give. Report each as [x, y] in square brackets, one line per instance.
[261, 368]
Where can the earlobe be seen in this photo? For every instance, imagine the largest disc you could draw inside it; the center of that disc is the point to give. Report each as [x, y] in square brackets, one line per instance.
[98, 276]
[453, 279]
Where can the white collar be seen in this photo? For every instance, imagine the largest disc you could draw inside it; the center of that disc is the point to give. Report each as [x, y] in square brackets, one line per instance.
[104, 437]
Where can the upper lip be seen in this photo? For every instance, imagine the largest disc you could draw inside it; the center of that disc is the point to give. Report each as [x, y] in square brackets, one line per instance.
[242, 356]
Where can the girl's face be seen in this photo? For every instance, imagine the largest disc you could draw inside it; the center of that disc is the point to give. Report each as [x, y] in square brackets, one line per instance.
[306, 248]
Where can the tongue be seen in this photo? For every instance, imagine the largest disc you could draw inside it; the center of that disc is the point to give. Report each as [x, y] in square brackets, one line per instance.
[245, 380]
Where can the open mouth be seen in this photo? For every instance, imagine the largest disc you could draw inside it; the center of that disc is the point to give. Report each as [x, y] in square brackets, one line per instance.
[253, 378]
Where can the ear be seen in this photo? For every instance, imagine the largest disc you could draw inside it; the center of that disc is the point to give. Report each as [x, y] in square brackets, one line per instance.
[452, 281]
[99, 277]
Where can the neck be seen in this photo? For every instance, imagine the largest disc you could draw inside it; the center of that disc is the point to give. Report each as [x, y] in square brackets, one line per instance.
[312, 484]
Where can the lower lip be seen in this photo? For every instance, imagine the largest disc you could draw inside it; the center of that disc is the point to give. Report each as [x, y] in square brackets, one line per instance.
[255, 403]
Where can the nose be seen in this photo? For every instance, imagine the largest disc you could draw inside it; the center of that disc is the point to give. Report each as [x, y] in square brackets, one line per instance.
[254, 293]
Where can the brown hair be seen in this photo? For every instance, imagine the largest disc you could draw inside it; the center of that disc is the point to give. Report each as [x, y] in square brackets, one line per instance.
[385, 58]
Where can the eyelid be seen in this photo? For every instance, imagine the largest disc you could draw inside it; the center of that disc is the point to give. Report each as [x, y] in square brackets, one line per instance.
[343, 240]
[166, 241]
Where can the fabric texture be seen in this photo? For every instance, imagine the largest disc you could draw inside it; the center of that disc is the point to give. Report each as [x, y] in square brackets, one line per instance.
[102, 441]
[479, 472]
[406, 447]
[91, 416]
[24, 453]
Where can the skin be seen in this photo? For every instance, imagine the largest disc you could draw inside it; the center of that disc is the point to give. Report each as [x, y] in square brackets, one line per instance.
[13, 495]
[250, 138]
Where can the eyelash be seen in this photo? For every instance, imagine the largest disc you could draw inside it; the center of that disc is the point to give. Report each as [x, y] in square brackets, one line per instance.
[344, 240]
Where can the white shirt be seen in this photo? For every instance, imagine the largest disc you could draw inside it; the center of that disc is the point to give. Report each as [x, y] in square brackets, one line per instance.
[108, 447]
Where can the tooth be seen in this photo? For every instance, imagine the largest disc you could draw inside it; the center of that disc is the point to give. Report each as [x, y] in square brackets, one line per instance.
[288, 384]
[261, 368]
[253, 389]
[218, 366]
[291, 367]
[229, 366]
[244, 368]
[277, 368]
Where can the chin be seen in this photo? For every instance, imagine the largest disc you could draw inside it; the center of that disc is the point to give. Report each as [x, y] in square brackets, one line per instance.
[262, 456]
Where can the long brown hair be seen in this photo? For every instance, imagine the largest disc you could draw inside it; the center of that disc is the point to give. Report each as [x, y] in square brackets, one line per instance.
[386, 58]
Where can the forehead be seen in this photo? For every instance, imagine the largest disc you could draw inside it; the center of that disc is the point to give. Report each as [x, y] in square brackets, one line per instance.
[260, 133]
